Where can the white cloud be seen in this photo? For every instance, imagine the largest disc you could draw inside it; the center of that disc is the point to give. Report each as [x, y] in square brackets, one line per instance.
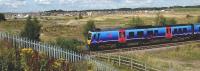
[84, 1]
[43, 1]
[138, 1]
[12, 3]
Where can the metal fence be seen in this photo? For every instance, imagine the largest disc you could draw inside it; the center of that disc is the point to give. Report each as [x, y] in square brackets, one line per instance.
[125, 61]
[54, 51]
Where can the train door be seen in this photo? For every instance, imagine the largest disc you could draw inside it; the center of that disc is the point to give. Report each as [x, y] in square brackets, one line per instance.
[168, 32]
[122, 36]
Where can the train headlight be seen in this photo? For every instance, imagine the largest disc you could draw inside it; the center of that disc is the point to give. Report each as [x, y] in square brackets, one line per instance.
[88, 42]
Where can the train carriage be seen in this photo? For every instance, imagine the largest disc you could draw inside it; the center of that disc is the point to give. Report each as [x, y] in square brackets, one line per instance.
[145, 34]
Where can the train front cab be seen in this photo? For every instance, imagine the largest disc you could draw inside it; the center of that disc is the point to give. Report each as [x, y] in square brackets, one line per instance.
[89, 41]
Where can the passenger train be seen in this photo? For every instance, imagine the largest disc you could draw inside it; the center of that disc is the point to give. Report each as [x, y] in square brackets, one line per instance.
[142, 35]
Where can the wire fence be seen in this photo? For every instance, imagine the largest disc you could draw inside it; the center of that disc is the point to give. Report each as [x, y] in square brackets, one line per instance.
[55, 51]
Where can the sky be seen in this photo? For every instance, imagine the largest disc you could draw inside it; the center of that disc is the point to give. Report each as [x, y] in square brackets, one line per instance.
[44, 5]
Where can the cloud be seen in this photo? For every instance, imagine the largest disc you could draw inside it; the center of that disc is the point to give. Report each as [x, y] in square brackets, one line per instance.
[12, 3]
[84, 1]
[46, 2]
[103, 1]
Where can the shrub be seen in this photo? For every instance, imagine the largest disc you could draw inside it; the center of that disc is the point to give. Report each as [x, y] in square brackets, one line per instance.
[70, 44]
[136, 21]
[32, 29]
[90, 26]
[172, 21]
[161, 20]
[76, 18]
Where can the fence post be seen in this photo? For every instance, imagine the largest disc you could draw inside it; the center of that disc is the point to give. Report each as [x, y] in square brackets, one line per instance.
[21, 39]
[49, 53]
[73, 56]
[67, 54]
[59, 53]
[34, 45]
[54, 53]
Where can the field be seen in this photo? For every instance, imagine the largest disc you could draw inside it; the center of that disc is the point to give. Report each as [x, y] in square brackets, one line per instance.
[64, 26]
[184, 58]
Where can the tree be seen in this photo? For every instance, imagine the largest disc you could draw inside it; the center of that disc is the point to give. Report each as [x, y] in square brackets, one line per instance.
[172, 21]
[163, 21]
[70, 44]
[2, 17]
[160, 20]
[136, 21]
[90, 26]
[32, 29]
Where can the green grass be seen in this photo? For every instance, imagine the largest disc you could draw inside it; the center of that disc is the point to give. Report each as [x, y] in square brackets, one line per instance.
[186, 9]
[185, 58]
[187, 53]
[124, 22]
[13, 26]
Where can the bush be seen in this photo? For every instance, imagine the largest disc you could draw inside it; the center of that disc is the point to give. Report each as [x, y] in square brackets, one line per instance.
[2, 17]
[172, 21]
[90, 26]
[76, 18]
[161, 20]
[136, 21]
[70, 44]
[32, 29]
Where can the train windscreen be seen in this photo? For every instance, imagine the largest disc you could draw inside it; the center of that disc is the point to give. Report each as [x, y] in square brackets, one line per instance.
[89, 36]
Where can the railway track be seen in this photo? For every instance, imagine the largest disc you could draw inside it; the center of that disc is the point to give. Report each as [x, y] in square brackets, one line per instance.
[166, 45]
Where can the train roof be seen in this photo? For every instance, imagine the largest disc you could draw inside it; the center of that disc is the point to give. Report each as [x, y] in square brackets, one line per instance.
[137, 27]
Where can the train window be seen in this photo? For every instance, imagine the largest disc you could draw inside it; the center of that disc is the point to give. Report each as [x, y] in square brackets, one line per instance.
[155, 32]
[94, 37]
[98, 36]
[184, 30]
[175, 31]
[131, 34]
[199, 29]
[150, 33]
[89, 36]
[140, 34]
[180, 31]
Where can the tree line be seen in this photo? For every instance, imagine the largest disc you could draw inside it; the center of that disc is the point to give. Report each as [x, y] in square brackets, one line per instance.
[129, 9]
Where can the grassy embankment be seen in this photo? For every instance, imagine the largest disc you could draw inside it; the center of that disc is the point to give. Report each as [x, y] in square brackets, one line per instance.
[183, 58]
